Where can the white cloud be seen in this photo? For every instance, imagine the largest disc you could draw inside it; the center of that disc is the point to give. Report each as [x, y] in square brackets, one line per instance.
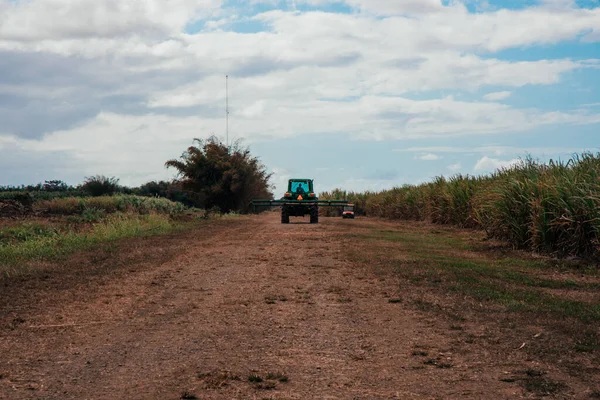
[488, 164]
[454, 167]
[122, 29]
[361, 185]
[501, 150]
[497, 95]
[127, 145]
[559, 4]
[133, 148]
[511, 28]
[316, 75]
[132, 80]
[280, 180]
[80, 19]
[428, 157]
[387, 7]
[6, 141]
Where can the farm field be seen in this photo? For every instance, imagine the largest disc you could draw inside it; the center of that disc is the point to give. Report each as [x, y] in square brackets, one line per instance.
[249, 308]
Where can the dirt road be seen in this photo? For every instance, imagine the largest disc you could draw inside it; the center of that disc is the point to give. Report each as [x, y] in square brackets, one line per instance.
[210, 314]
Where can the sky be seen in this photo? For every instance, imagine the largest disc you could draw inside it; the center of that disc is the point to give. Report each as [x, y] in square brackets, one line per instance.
[357, 94]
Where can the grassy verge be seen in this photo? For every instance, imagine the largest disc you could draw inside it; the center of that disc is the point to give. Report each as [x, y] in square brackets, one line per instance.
[24, 245]
[518, 284]
[56, 227]
[441, 264]
[542, 314]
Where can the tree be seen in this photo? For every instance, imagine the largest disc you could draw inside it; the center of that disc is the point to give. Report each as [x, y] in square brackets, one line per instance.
[218, 176]
[55, 186]
[100, 185]
[154, 189]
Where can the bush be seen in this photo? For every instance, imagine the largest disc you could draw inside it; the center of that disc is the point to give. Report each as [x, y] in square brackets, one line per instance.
[154, 189]
[55, 186]
[62, 206]
[100, 185]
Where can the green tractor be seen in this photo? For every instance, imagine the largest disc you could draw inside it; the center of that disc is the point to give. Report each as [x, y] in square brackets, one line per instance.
[299, 200]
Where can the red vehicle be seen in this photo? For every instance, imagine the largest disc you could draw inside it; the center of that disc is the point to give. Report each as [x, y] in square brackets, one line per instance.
[348, 211]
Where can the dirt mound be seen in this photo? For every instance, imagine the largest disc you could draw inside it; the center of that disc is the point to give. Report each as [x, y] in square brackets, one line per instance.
[13, 208]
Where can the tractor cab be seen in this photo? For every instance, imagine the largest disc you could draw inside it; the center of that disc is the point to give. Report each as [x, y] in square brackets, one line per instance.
[300, 189]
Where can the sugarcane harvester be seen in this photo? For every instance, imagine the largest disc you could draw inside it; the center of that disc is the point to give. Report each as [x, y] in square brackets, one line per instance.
[299, 200]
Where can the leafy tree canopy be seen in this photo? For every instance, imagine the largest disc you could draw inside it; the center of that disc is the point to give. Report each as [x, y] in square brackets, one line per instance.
[218, 176]
[55, 186]
[100, 185]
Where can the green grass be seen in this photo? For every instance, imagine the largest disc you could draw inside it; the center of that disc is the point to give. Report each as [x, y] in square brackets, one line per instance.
[422, 239]
[80, 223]
[448, 262]
[27, 231]
[39, 244]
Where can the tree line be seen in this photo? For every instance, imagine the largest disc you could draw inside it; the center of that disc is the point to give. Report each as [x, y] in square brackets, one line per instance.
[210, 175]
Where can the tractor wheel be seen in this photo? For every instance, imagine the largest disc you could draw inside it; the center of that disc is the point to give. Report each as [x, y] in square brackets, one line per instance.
[285, 217]
[314, 215]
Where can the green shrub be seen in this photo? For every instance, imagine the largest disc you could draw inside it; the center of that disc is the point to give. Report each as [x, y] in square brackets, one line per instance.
[93, 215]
[100, 185]
[25, 232]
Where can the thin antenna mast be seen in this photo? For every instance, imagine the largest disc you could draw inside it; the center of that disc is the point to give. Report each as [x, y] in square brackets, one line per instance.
[227, 109]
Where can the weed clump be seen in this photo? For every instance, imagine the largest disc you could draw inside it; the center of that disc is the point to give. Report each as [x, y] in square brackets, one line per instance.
[255, 379]
[277, 377]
